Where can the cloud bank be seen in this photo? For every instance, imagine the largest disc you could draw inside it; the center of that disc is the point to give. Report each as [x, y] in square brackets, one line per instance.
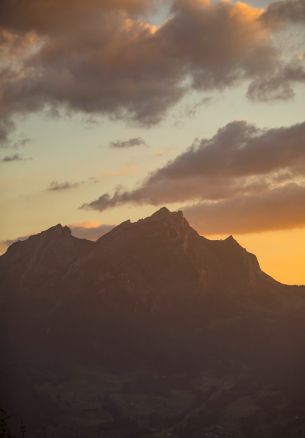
[274, 209]
[243, 179]
[103, 57]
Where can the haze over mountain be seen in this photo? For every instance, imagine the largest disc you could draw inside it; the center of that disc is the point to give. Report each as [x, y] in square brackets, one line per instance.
[151, 331]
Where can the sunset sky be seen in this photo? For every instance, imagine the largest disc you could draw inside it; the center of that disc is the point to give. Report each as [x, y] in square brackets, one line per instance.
[110, 109]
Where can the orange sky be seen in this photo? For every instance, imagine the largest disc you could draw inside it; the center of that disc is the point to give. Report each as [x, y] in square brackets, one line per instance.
[281, 254]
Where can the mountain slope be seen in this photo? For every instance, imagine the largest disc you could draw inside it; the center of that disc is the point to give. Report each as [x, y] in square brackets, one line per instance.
[165, 244]
[160, 248]
[148, 299]
[41, 258]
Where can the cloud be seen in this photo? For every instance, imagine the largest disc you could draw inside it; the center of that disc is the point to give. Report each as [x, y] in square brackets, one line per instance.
[14, 157]
[7, 126]
[59, 186]
[287, 10]
[274, 209]
[132, 142]
[278, 84]
[67, 185]
[238, 158]
[46, 17]
[20, 143]
[239, 166]
[190, 110]
[105, 59]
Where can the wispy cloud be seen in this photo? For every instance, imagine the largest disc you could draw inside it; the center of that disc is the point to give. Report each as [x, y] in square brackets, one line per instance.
[13, 157]
[130, 143]
[59, 186]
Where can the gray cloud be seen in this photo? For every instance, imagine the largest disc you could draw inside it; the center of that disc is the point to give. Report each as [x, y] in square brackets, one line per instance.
[7, 126]
[59, 186]
[239, 158]
[276, 209]
[130, 143]
[20, 142]
[67, 185]
[107, 60]
[49, 17]
[14, 157]
[287, 10]
[239, 166]
[277, 85]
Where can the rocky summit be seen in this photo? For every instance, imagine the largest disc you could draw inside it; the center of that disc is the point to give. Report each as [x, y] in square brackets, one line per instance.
[151, 331]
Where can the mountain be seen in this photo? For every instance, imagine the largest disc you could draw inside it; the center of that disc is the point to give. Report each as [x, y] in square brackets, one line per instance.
[152, 330]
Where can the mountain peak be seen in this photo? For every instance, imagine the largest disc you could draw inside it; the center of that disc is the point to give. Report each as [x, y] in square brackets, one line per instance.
[165, 214]
[59, 230]
[231, 239]
[233, 242]
[162, 212]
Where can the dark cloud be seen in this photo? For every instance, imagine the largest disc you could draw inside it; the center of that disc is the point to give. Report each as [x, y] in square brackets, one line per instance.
[67, 185]
[239, 158]
[277, 85]
[102, 66]
[276, 209]
[6, 127]
[287, 10]
[59, 186]
[240, 166]
[14, 157]
[101, 58]
[132, 142]
[45, 16]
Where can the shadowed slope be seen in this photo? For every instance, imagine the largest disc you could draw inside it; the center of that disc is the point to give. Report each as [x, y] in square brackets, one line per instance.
[151, 296]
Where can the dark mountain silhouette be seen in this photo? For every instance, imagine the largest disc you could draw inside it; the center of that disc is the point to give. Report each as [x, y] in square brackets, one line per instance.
[152, 330]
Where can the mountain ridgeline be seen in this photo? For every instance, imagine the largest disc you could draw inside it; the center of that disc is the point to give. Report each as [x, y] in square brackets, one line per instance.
[150, 330]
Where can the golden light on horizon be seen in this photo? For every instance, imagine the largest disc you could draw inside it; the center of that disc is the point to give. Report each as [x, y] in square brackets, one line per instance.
[281, 254]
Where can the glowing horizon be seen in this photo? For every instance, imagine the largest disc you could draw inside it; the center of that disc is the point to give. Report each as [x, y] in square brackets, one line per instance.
[130, 105]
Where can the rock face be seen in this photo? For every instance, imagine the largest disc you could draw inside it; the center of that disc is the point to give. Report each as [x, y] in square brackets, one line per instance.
[161, 251]
[152, 296]
[42, 257]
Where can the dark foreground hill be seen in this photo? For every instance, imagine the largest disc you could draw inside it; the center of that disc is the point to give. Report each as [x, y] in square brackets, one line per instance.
[152, 331]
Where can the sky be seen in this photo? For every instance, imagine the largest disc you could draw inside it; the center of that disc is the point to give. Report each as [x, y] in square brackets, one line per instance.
[111, 109]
